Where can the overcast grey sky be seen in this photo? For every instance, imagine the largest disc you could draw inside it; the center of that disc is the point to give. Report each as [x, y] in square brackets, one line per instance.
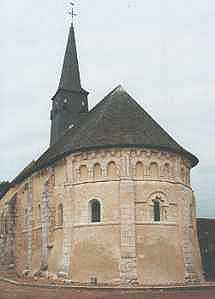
[162, 51]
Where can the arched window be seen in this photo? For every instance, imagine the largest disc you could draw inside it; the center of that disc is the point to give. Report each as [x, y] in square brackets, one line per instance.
[166, 170]
[112, 169]
[159, 208]
[157, 212]
[83, 172]
[139, 170]
[95, 211]
[97, 170]
[60, 215]
[153, 170]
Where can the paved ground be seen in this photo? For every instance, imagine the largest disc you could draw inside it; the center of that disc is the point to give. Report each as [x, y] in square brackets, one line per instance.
[8, 291]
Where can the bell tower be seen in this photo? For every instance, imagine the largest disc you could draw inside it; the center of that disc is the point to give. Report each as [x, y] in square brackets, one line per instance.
[70, 100]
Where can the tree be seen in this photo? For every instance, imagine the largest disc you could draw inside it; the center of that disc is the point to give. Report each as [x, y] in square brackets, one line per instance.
[4, 186]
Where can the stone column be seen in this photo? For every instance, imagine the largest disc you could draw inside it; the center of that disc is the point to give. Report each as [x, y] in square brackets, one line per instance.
[12, 231]
[29, 223]
[68, 216]
[7, 235]
[191, 275]
[45, 226]
[178, 169]
[128, 268]
[128, 271]
[67, 229]
[196, 239]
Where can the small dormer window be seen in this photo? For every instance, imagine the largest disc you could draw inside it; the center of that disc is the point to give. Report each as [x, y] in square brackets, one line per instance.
[65, 101]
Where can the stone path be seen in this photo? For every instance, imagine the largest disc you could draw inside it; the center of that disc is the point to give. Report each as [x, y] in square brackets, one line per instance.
[8, 291]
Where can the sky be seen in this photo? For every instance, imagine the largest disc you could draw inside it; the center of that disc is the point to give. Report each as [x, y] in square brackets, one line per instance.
[161, 51]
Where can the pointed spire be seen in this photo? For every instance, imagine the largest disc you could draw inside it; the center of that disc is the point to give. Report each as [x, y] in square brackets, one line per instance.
[70, 101]
[70, 77]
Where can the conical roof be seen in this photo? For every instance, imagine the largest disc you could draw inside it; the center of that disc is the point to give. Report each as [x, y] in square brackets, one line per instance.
[117, 121]
[70, 76]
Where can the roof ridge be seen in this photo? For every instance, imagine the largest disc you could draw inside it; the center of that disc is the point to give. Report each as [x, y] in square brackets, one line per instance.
[118, 88]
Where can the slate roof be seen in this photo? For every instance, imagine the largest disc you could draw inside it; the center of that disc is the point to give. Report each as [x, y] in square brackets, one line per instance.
[117, 121]
[70, 75]
[21, 176]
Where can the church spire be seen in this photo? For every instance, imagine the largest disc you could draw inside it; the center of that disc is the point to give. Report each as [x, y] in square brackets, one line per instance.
[70, 101]
[70, 76]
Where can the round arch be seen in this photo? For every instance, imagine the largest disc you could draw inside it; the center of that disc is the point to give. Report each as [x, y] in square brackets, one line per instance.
[95, 210]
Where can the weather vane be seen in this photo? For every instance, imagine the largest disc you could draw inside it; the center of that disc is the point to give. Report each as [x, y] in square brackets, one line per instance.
[72, 13]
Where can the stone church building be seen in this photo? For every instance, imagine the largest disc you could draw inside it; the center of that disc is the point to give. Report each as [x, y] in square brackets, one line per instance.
[109, 200]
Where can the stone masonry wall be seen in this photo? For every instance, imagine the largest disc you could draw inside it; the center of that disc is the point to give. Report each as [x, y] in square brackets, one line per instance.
[127, 246]
[7, 235]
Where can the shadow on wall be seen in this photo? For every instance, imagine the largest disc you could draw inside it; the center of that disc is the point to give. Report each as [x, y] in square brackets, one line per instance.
[206, 229]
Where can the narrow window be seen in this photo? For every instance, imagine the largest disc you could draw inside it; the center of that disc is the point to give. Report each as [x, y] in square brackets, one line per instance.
[83, 172]
[139, 170]
[112, 169]
[60, 215]
[95, 211]
[157, 216]
[1, 225]
[183, 175]
[26, 217]
[166, 170]
[39, 213]
[191, 215]
[6, 227]
[97, 170]
[153, 169]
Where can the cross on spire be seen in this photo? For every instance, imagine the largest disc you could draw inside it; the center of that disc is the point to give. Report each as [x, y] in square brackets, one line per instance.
[72, 13]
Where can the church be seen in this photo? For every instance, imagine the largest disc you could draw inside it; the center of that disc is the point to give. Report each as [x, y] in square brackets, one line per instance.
[110, 201]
